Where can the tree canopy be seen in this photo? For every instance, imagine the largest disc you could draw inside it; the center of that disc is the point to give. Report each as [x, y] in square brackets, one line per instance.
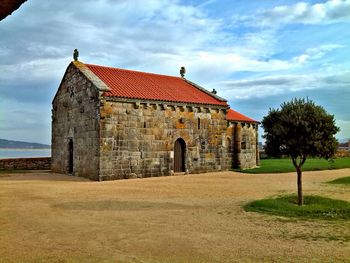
[300, 129]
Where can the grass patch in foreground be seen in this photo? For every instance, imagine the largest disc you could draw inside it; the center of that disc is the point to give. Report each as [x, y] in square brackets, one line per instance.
[342, 180]
[315, 207]
[285, 165]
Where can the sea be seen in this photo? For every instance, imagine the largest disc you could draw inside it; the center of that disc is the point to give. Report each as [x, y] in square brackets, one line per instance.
[24, 153]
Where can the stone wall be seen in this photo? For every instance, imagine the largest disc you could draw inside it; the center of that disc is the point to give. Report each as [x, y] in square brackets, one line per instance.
[75, 116]
[248, 146]
[244, 142]
[38, 163]
[137, 138]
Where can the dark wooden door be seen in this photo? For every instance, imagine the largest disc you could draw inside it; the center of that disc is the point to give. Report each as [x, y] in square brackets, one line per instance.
[70, 156]
[179, 156]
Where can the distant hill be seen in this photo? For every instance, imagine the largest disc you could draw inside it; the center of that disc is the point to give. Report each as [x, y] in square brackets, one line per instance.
[22, 145]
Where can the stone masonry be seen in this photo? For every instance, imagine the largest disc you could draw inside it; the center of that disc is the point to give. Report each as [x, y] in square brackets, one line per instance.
[137, 139]
[244, 144]
[36, 163]
[75, 116]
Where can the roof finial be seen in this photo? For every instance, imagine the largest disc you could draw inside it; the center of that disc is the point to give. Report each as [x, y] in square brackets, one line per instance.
[182, 72]
[75, 54]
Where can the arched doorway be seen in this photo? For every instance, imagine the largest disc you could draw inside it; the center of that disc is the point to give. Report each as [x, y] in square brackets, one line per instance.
[70, 156]
[179, 155]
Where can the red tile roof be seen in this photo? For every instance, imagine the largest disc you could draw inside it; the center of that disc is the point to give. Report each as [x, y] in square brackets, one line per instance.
[236, 116]
[140, 85]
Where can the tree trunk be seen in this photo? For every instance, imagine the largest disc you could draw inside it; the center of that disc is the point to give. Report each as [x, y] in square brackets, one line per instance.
[300, 187]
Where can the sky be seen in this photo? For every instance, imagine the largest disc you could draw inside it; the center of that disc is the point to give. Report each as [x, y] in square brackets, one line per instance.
[256, 54]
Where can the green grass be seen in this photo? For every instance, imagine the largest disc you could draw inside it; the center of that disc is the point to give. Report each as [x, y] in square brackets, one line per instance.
[285, 165]
[315, 207]
[342, 180]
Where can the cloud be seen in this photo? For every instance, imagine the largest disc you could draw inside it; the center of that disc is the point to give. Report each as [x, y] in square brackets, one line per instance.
[126, 34]
[24, 120]
[316, 53]
[334, 96]
[264, 86]
[332, 11]
[267, 86]
[31, 67]
[32, 81]
[161, 36]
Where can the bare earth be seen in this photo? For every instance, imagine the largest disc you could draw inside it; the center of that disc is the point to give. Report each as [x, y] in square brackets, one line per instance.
[193, 218]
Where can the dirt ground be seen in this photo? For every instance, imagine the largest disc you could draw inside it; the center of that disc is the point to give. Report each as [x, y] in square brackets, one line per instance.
[47, 217]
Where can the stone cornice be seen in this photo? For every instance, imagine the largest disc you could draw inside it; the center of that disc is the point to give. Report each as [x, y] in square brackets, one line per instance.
[167, 103]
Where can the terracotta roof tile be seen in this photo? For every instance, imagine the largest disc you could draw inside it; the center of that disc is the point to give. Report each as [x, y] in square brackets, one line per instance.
[140, 85]
[236, 116]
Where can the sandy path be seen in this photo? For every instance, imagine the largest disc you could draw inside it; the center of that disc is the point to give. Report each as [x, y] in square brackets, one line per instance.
[191, 218]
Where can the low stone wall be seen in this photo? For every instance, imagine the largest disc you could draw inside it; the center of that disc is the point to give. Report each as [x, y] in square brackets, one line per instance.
[39, 163]
[342, 153]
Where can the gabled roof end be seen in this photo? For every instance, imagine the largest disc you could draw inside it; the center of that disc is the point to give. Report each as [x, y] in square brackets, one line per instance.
[91, 76]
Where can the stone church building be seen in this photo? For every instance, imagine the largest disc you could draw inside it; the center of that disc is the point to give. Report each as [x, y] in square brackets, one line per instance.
[110, 123]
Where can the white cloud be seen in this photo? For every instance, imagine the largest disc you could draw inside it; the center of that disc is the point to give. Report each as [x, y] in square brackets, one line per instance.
[214, 65]
[316, 53]
[267, 86]
[38, 69]
[25, 121]
[332, 11]
[161, 36]
[264, 86]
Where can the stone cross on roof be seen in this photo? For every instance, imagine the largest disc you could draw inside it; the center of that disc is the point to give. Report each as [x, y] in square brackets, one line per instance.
[75, 54]
[182, 72]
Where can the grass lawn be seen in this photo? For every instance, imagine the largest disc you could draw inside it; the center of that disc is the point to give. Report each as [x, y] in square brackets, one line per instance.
[47, 217]
[285, 165]
[342, 180]
[315, 207]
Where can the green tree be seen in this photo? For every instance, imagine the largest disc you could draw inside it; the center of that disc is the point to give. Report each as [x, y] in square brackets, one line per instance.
[300, 129]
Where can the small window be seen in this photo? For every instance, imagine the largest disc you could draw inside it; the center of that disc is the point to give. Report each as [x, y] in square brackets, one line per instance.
[144, 124]
[198, 123]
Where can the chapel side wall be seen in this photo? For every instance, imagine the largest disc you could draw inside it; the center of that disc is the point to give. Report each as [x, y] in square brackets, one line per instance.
[75, 117]
[137, 139]
[243, 136]
[248, 153]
